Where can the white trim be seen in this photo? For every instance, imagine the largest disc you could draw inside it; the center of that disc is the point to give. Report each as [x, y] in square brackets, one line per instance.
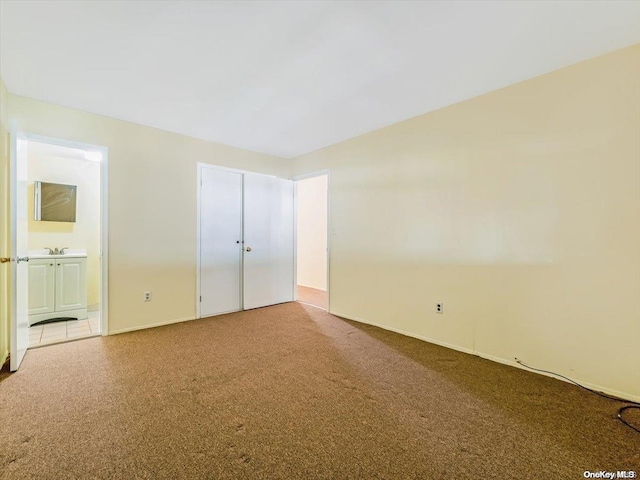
[295, 241]
[152, 325]
[328, 239]
[104, 216]
[64, 143]
[591, 386]
[242, 246]
[405, 333]
[104, 242]
[198, 233]
[493, 358]
[297, 178]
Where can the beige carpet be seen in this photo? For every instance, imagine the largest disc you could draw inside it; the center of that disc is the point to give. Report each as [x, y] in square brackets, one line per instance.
[291, 392]
[313, 296]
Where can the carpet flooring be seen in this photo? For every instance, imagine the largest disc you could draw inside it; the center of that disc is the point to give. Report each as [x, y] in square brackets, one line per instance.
[313, 296]
[291, 392]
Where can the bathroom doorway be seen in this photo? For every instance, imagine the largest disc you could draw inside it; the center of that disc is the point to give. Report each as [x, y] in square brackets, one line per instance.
[66, 241]
[312, 247]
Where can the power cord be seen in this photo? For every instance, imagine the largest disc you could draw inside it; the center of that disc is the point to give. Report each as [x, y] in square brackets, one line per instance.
[634, 405]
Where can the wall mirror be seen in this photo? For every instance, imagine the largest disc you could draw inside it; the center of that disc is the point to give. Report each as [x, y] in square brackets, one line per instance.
[55, 202]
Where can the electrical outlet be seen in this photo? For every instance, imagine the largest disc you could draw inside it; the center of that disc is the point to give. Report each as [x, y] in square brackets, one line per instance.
[147, 296]
[439, 308]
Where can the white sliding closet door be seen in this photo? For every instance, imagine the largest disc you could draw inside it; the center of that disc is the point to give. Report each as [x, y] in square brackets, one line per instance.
[220, 241]
[268, 241]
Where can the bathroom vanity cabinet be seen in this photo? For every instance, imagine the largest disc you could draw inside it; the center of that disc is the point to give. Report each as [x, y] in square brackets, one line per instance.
[57, 287]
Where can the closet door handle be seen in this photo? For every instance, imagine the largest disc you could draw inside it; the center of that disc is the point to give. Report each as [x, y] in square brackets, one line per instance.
[248, 249]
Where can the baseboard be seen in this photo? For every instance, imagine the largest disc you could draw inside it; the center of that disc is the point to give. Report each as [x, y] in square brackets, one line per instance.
[151, 325]
[504, 361]
[590, 386]
[405, 333]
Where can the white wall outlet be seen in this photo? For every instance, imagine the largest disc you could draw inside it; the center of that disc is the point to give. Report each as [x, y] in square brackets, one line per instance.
[439, 308]
[147, 296]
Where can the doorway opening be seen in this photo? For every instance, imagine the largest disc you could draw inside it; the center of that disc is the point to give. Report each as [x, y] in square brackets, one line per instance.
[312, 249]
[65, 242]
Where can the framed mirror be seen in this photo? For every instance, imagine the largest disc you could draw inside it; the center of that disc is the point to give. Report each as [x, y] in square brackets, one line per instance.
[55, 202]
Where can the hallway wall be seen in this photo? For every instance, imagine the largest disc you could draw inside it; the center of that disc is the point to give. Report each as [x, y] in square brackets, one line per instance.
[311, 195]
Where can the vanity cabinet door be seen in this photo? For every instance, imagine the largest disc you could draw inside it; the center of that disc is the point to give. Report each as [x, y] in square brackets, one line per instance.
[71, 284]
[41, 286]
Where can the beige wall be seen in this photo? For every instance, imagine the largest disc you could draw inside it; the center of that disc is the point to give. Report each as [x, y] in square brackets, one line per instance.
[311, 229]
[519, 210]
[152, 206]
[85, 231]
[4, 222]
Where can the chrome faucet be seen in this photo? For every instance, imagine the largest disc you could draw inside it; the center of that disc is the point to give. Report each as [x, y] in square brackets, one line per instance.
[55, 251]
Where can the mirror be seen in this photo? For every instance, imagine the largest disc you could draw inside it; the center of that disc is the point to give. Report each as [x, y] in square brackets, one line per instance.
[55, 202]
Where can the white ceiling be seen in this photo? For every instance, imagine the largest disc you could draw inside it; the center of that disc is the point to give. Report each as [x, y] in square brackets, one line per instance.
[286, 78]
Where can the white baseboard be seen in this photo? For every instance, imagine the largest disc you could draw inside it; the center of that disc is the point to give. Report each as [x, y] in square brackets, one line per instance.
[151, 325]
[590, 386]
[512, 363]
[407, 334]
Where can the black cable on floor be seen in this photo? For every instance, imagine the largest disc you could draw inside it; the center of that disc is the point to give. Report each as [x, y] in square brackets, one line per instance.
[634, 405]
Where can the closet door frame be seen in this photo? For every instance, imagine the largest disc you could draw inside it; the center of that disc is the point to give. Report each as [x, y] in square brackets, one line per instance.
[200, 167]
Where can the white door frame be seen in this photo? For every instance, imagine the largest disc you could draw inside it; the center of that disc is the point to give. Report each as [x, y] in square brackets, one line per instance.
[104, 216]
[317, 173]
[200, 166]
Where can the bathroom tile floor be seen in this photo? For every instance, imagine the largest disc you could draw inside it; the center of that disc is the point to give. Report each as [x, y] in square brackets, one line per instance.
[63, 331]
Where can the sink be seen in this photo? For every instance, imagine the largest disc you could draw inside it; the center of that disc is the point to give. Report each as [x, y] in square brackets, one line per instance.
[68, 253]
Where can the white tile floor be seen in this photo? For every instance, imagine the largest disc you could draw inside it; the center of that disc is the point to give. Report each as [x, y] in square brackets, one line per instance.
[63, 331]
